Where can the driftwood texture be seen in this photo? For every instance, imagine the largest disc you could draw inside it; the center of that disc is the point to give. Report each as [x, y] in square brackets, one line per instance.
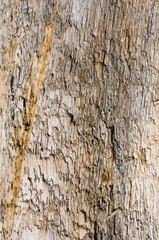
[79, 119]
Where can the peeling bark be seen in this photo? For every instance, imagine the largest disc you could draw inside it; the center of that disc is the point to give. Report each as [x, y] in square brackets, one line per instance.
[79, 113]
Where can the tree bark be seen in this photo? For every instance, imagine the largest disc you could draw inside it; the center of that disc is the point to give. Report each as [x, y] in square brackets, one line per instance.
[79, 119]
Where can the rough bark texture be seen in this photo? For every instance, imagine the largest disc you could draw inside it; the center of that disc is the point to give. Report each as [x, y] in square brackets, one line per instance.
[79, 119]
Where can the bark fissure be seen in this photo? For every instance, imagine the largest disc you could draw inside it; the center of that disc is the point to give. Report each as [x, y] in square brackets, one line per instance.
[22, 132]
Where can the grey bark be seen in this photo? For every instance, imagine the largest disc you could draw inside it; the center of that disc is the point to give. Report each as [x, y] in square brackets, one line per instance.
[79, 119]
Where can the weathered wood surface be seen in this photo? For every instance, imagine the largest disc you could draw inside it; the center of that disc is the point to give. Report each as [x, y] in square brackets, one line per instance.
[79, 119]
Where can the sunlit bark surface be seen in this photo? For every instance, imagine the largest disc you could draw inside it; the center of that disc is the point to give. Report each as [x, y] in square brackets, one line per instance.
[79, 119]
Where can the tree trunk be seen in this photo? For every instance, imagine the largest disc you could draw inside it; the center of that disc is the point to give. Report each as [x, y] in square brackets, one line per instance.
[79, 127]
